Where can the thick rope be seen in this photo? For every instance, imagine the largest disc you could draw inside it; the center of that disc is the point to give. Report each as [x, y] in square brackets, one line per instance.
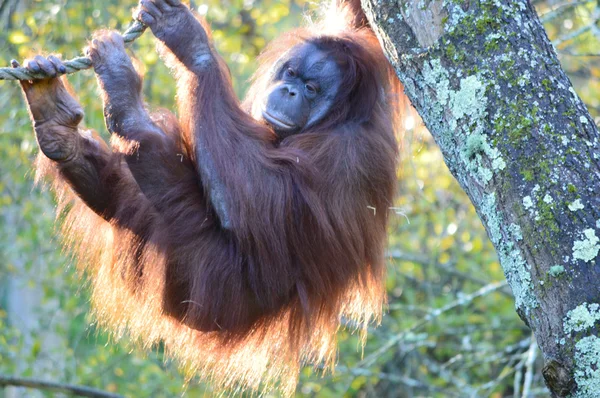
[74, 65]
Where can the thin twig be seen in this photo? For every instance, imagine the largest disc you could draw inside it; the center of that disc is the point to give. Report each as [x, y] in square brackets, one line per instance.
[572, 54]
[81, 391]
[560, 8]
[399, 255]
[462, 301]
[591, 26]
[532, 354]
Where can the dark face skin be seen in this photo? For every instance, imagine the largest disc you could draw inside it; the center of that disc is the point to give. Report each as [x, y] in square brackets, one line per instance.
[304, 86]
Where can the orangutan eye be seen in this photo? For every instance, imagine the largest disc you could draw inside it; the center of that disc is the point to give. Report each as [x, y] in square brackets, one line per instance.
[310, 88]
[290, 72]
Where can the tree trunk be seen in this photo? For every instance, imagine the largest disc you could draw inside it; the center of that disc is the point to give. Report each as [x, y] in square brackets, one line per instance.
[487, 83]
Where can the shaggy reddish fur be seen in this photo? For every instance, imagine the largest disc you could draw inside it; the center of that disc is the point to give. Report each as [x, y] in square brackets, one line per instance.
[245, 306]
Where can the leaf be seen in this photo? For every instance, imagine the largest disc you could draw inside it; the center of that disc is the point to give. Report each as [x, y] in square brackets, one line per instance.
[18, 37]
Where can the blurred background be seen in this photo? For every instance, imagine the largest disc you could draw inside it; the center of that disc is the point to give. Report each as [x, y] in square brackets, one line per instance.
[450, 330]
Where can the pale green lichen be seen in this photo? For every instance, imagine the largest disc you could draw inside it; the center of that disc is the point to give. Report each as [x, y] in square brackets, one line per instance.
[498, 163]
[469, 99]
[581, 318]
[455, 19]
[587, 350]
[514, 266]
[556, 270]
[587, 367]
[475, 144]
[515, 231]
[471, 155]
[468, 102]
[548, 199]
[588, 248]
[576, 205]
[435, 76]
[527, 202]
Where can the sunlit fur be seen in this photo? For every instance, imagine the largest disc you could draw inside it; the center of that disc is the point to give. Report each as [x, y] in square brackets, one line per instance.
[245, 308]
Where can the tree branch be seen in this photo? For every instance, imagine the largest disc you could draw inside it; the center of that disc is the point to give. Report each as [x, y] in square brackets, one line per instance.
[521, 143]
[81, 391]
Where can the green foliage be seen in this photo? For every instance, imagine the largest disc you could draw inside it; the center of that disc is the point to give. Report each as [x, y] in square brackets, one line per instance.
[432, 342]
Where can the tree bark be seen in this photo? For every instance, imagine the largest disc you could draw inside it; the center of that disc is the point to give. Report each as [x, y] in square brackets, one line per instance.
[486, 81]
